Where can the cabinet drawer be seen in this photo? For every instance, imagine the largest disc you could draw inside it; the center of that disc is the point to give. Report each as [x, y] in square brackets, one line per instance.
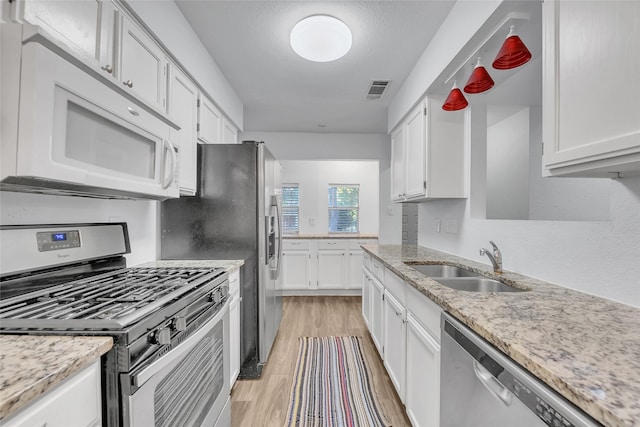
[426, 311]
[395, 285]
[234, 282]
[295, 245]
[355, 244]
[59, 407]
[377, 269]
[333, 244]
[366, 261]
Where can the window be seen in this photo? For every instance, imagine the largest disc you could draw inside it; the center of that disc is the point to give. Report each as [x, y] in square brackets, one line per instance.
[344, 208]
[290, 208]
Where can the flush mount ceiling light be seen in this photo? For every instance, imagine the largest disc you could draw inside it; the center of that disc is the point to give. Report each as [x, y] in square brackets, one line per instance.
[321, 38]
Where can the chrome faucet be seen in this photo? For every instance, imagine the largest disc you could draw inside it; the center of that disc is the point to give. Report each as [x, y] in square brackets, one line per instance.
[496, 257]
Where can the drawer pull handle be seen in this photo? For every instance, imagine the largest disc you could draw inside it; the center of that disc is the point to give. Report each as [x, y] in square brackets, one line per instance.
[108, 69]
[132, 111]
[128, 83]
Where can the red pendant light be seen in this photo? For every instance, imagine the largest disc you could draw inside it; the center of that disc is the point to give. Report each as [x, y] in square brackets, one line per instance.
[456, 100]
[479, 81]
[513, 53]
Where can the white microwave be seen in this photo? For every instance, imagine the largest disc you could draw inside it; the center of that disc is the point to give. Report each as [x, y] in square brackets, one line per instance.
[75, 135]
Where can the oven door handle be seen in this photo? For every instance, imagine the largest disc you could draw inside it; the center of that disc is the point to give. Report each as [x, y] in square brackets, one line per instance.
[182, 349]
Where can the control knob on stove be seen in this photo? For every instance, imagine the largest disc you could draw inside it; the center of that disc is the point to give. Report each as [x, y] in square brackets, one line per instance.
[179, 324]
[161, 336]
[216, 296]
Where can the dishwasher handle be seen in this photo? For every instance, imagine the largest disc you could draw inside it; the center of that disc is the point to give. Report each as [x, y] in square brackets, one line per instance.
[494, 386]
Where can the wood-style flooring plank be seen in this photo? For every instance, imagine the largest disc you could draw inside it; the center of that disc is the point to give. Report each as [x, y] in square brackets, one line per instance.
[264, 402]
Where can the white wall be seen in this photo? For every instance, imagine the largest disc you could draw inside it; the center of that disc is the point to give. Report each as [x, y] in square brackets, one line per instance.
[600, 258]
[460, 26]
[340, 146]
[508, 167]
[140, 216]
[314, 178]
[170, 26]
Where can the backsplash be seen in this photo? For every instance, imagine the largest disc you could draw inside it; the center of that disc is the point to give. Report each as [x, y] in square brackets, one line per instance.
[140, 216]
[599, 258]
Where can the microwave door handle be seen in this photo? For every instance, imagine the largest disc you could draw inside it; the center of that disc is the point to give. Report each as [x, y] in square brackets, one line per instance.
[169, 177]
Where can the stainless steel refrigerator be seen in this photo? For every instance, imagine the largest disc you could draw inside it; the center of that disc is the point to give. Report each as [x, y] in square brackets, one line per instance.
[236, 214]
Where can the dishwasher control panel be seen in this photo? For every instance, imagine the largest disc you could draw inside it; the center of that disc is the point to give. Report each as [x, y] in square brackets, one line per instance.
[538, 405]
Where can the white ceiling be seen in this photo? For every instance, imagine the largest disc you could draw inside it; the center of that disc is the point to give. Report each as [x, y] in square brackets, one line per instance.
[249, 40]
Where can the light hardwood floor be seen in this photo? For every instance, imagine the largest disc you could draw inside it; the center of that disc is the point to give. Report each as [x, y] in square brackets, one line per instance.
[264, 402]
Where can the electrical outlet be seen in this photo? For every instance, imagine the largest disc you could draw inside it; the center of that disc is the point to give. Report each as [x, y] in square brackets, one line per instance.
[451, 226]
[312, 221]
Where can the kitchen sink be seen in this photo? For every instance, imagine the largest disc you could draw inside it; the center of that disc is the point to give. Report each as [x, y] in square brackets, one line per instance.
[476, 284]
[441, 270]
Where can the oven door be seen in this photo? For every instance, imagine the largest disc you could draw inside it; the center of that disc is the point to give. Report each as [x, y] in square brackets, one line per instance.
[188, 386]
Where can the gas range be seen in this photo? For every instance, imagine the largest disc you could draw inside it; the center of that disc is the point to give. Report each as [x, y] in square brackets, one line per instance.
[113, 300]
[72, 280]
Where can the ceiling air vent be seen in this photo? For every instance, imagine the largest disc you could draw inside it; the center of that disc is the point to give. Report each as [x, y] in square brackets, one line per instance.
[377, 88]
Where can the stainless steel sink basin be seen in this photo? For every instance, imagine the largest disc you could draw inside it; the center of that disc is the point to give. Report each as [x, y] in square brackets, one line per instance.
[441, 270]
[476, 284]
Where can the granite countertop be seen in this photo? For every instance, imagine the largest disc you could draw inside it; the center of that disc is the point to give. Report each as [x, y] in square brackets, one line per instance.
[229, 265]
[31, 364]
[330, 236]
[585, 347]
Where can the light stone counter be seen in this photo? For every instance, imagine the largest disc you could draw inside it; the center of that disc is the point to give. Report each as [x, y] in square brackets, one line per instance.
[330, 236]
[585, 347]
[228, 265]
[30, 365]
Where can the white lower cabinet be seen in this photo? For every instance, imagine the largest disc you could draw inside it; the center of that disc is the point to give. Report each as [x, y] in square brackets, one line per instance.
[376, 322]
[366, 296]
[295, 270]
[422, 392]
[354, 269]
[234, 326]
[332, 266]
[322, 265]
[75, 402]
[405, 327]
[394, 346]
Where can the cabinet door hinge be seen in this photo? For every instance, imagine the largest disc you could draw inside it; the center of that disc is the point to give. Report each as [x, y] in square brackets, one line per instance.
[382, 297]
[198, 103]
[198, 127]
[425, 111]
[543, 148]
[424, 184]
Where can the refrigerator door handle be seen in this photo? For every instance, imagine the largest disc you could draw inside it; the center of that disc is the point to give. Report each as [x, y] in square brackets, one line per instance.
[276, 202]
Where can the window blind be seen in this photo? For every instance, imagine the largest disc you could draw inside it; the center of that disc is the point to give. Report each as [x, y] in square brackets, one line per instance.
[344, 208]
[290, 208]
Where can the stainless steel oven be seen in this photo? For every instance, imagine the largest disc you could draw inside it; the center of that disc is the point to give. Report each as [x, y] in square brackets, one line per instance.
[170, 324]
[187, 386]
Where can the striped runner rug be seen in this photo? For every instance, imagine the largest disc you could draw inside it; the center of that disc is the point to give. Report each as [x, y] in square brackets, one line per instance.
[331, 385]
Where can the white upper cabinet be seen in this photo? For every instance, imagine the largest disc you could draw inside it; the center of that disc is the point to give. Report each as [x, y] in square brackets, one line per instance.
[183, 108]
[591, 88]
[209, 122]
[428, 158]
[86, 28]
[143, 67]
[398, 174]
[415, 152]
[229, 132]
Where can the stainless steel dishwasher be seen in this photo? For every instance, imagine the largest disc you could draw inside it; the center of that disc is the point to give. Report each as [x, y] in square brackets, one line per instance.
[481, 387]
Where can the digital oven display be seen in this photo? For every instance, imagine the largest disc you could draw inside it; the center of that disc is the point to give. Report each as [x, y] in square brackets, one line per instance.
[59, 237]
